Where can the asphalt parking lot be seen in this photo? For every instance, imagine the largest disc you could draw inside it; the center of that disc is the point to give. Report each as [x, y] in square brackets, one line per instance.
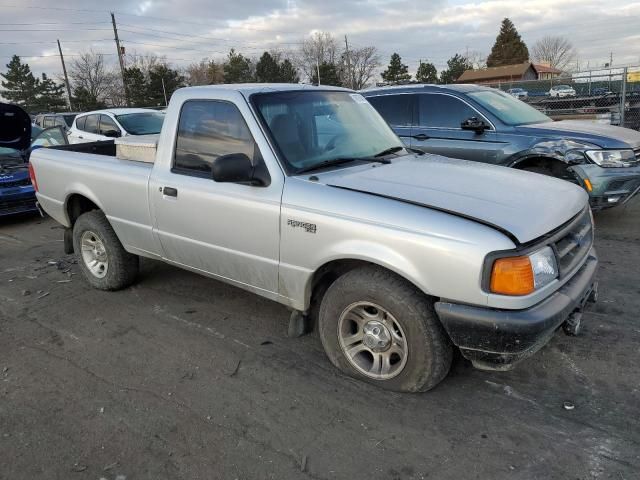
[182, 377]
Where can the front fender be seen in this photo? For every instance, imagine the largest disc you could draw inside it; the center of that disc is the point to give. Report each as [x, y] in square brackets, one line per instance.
[566, 151]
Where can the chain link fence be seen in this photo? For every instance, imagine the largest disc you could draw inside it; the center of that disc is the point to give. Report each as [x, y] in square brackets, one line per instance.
[608, 96]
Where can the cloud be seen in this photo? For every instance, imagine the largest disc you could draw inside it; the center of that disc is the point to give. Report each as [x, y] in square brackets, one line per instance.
[188, 30]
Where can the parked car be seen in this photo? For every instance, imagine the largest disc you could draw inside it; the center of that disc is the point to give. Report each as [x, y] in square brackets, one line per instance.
[518, 92]
[562, 91]
[305, 196]
[47, 120]
[114, 123]
[18, 137]
[599, 91]
[486, 125]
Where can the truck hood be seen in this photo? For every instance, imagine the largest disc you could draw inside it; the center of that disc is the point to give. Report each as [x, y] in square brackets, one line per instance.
[604, 136]
[523, 205]
[15, 127]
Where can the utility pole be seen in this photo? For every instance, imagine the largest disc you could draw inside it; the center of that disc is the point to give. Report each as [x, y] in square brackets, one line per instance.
[66, 78]
[164, 91]
[346, 51]
[115, 32]
[318, 70]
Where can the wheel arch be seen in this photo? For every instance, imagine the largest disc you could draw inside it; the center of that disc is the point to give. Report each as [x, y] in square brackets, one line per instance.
[77, 203]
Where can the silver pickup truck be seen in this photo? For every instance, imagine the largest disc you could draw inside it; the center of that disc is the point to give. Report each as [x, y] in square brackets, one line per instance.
[305, 196]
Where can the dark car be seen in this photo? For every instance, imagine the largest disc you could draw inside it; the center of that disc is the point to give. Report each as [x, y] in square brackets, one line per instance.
[487, 125]
[17, 194]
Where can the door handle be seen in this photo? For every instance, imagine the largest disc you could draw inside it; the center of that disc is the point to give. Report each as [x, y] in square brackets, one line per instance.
[421, 136]
[81, 138]
[170, 191]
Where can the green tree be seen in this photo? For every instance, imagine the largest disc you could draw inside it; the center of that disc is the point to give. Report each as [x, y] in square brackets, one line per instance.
[84, 100]
[427, 73]
[456, 66]
[509, 48]
[19, 85]
[267, 69]
[288, 73]
[396, 71]
[162, 80]
[329, 75]
[237, 68]
[50, 95]
[137, 87]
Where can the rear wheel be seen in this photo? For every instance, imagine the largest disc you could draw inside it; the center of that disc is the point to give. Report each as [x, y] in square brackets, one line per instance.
[377, 327]
[104, 262]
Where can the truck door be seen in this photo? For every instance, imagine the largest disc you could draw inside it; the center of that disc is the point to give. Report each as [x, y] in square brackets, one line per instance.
[437, 129]
[227, 230]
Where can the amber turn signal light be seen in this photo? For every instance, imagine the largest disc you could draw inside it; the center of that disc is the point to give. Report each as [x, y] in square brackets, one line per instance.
[512, 276]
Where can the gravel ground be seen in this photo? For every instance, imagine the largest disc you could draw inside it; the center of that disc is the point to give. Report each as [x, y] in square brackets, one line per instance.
[182, 377]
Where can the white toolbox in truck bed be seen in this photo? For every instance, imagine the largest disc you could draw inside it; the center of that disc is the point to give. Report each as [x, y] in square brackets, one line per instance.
[138, 148]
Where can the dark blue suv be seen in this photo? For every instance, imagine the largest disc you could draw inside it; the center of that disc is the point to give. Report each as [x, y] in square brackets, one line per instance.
[484, 124]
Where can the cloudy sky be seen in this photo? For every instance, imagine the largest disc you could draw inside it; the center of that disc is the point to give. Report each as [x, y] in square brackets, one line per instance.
[188, 30]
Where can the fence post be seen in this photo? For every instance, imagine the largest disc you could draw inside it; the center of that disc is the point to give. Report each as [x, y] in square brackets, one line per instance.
[623, 96]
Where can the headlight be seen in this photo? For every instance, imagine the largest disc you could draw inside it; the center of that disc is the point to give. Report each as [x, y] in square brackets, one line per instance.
[524, 275]
[612, 158]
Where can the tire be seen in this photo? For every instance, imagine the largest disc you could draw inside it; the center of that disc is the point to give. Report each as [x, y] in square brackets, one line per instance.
[376, 296]
[108, 266]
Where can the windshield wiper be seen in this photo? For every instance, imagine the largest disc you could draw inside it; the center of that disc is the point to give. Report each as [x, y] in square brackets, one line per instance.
[340, 161]
[389, 151]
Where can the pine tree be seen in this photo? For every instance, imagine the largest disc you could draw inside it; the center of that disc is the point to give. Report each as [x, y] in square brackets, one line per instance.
[288, 73]
[427, 73]
[509, 48]
[396, 71]
[84, 100]
[328, 75]
[50, 95]
[20, 86]
[137, 87]
[456, 66]
[267, 69]
[237, 68]
[162, 80]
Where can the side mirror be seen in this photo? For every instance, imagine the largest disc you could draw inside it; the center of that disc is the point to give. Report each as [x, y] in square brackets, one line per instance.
[474, 124]
[234, 168]
[112, 134]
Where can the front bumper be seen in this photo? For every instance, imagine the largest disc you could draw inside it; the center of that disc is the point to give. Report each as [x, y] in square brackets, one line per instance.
[18, 203]
[496, 339]
[610, 186]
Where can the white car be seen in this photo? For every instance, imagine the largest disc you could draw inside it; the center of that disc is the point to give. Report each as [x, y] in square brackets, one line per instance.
[114, 123]
[518, 92]
[562, 91]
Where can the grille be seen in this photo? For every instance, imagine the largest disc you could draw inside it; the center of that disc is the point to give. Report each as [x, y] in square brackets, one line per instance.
[574, 243]
[16, 183]
[623, 184]
[637, 153]
[17, 206]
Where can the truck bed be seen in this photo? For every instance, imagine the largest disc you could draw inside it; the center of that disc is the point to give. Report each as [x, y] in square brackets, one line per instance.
[118, 187]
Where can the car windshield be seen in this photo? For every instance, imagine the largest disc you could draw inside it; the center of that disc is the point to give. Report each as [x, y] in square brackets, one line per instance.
[145, 123]
[311, 128]
[508, 109]
[563, 87]
[11, 156]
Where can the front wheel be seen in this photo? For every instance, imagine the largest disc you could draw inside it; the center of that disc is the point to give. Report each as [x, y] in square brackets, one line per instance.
[377, 327]
[104, 262]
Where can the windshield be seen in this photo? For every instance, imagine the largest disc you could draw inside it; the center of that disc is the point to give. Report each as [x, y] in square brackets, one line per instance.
[563, 87]
[145, 123]
[311, 128]
[11, 156]
[509, 110]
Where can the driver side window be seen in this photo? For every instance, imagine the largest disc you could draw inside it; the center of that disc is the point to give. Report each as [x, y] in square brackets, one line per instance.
[443, 111]
[208, 129]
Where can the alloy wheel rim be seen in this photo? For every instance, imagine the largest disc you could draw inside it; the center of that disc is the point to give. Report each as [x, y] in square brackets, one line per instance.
[372, 340]
[94, 254]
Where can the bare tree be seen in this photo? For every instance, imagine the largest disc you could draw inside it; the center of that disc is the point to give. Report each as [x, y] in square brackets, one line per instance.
[320, 48]
[145, 62]
[557, 51]
[363, 63]
[476, 59]
[89, 72]
[205, 72]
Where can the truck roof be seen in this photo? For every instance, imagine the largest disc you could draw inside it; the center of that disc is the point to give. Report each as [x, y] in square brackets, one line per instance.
[413, 87]
[250, 88]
